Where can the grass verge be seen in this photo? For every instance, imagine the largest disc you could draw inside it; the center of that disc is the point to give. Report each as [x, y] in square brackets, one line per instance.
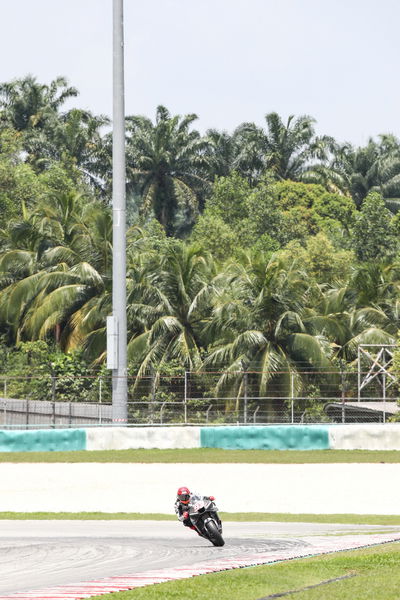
[227, 517]
[206, 455]
[367, 574]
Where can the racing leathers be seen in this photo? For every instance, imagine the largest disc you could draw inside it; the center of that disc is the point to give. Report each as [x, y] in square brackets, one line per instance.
[182, 510]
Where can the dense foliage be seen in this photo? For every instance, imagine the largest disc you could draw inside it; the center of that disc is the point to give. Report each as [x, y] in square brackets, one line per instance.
[271, 249]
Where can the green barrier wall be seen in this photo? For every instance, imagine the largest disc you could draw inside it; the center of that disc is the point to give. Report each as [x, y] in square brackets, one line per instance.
[283, 437]
[43, 440]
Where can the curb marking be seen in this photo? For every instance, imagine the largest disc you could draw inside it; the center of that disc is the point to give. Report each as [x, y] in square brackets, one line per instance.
[80, 591]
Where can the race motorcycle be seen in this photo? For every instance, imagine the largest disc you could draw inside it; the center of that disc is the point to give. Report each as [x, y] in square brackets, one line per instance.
[203, 514]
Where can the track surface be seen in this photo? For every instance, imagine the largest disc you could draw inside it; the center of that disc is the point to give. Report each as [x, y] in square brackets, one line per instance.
[38, 554]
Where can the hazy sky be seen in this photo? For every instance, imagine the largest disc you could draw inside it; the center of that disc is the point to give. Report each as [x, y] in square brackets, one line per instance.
[228, 61]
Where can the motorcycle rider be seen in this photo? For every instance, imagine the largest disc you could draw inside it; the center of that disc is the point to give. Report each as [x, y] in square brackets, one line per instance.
[183, 496]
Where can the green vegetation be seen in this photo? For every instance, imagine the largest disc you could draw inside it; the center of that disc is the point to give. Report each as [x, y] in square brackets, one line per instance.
[228, 517]
[271, 250]
[206, 455]
[86, 516]
[370, 574]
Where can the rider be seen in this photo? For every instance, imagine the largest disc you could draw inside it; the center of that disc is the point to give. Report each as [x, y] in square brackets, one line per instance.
[183, 496]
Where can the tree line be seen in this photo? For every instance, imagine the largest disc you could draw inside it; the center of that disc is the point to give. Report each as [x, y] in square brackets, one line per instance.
[271, 248]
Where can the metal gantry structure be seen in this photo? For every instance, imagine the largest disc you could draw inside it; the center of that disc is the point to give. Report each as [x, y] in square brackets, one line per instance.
[378, 359]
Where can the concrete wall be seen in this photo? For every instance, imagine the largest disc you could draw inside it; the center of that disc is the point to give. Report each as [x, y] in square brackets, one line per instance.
[123, 438]
[365, 437]
[311, 488]
[273, 437]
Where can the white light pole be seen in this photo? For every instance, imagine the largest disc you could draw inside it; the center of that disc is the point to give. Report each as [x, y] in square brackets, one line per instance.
[116, 324]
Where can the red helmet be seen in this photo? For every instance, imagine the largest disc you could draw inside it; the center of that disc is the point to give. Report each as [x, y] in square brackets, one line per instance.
[183, 495]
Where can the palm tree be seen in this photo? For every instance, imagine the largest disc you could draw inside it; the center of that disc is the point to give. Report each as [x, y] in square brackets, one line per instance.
[26, 104]
[56, 283]
[166, 162]
[288, 149]
[258, 324]
[249, 156]
[220, 151]
[168, 304]
[49, 135]
[346, 317]
[74, 139]
[358, 171]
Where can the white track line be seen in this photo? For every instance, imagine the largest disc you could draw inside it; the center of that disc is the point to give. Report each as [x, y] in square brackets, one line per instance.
[82, 590]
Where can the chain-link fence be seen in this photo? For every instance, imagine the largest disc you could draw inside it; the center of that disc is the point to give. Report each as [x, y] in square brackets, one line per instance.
[199, 398]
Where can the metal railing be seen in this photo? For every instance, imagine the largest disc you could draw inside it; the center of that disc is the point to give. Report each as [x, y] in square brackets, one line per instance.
[194, 398]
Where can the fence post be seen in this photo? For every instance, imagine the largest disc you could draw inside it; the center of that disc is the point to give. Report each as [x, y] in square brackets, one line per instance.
[292, 395]
[100, 397]
[161, 412]
[185, 397]
[53, 386]
[245, 376]
[343, 393]
[53, 396]
[384, 395]
[5, 388]
[153, 396]
[255, 414]
[27, 413]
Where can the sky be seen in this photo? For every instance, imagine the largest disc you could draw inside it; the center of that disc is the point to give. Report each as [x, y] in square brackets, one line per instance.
[228, 61]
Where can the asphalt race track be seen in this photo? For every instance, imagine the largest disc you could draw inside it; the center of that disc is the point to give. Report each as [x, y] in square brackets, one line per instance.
[39, 554]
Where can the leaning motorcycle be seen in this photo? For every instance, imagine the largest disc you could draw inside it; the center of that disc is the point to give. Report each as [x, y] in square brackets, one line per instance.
[203, 515]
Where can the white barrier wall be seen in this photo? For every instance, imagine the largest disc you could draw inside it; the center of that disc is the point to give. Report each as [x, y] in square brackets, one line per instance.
[123, 438]
[310, 488]
[365, 437]
[340, 437]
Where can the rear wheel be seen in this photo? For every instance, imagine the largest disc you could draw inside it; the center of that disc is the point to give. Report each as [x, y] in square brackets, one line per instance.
[213, 533]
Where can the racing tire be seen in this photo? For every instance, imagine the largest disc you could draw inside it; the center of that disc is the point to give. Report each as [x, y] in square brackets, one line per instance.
[213, 533]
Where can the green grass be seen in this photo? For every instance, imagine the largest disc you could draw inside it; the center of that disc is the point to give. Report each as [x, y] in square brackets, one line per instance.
[374, 574]
[86, 516]
[207, 455]
[227, 517]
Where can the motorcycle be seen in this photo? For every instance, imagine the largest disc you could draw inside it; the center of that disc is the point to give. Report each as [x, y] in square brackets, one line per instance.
[203, 514]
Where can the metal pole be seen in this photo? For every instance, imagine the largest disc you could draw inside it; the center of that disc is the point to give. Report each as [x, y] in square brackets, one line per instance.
[162, 412]
[255, 414]
[384, 395]
[53, 386]
[53, 395]
[292, 395]
[343, 394]
[245, 398]
[185, 397]
[119, 372]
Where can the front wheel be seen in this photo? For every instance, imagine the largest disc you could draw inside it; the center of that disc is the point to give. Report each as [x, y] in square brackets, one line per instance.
[213, 533]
